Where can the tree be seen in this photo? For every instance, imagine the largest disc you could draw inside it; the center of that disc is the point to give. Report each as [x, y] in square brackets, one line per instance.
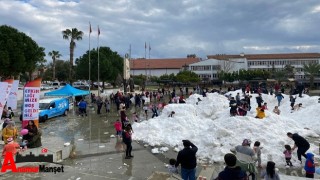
[311, 70]
[62, 74]
[289, 71]
[18, 53]
[54, 55]
[187, 76]
[111, 64]
[73, 35]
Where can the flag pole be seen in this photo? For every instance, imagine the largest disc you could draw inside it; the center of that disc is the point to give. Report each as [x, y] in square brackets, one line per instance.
[98, 63]
[149, 50]
[145, 50]
[90, 30]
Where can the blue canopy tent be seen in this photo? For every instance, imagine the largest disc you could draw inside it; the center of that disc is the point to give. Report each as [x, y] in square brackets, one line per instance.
[67, 90]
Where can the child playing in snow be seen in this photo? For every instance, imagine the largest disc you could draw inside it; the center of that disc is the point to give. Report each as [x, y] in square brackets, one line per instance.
[287, 154]
[135, 117]
[264, 106]
[172, 168]
[276, 110]
[171, 114]
[118, 127]
[257, 151]
[260, 113]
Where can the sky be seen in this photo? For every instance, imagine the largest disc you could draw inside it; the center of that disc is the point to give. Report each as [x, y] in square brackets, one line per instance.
[173, 29]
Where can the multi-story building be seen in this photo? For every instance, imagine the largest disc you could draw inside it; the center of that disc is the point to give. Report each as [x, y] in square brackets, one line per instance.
[158, 67]
[270, 62]
[210, 68]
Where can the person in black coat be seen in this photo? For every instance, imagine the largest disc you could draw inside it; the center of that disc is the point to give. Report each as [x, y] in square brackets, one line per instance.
[301, 143]
[231, 171]
[259, 100]
[127, 139]
[233, 107]
[187, 158]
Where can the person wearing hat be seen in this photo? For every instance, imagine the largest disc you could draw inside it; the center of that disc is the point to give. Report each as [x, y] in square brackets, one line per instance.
[246, 158]
[9, 131]
[187, 158]
[11, 146]
[231, 171]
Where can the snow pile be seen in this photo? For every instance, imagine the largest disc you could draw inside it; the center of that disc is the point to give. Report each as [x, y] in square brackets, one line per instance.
[208, 125]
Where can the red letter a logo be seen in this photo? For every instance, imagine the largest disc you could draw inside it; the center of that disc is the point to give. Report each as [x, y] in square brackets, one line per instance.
[9, 163]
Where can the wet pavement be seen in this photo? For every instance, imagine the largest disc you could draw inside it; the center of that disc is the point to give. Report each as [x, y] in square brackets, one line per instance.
[96, 154]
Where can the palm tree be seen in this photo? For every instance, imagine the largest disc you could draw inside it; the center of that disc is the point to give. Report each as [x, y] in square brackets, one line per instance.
[74, 35]
[55, 55]
[311, 70]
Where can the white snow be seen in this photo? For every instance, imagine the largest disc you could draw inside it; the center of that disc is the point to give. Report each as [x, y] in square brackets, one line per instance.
[155, 151]
[209, 126]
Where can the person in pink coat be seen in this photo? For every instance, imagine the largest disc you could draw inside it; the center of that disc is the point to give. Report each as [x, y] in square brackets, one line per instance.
[118, 127]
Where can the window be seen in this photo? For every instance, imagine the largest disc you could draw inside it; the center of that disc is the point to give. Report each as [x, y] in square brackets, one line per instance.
[52, 105]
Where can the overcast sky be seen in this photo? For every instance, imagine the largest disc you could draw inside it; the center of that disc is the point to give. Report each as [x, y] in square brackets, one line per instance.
[174, 28]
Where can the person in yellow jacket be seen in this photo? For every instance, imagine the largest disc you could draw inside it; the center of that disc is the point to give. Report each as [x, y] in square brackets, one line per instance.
[260, 113]
[9, 131]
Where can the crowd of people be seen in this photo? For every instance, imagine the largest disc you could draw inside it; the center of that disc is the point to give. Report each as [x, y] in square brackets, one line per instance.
[242, 163]
[240, 104]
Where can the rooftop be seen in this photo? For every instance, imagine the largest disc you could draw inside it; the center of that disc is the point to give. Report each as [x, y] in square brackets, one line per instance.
[173, 63]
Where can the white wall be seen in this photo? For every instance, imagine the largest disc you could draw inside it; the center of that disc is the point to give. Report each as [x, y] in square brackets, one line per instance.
[154, 72]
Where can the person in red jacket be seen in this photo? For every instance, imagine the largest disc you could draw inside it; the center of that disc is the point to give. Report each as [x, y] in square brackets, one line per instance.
[12, 147]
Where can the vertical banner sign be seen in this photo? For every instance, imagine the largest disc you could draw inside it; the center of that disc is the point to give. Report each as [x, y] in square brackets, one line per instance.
[13, 96]
[31, 97]
[10, 82]
[3, 88]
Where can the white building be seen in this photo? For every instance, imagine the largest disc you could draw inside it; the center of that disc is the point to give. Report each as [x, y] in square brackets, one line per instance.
[210, 68]
[268, 62]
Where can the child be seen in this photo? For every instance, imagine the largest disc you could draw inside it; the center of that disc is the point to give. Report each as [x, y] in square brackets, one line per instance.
[260, 113]
[23, 145]
[107, 104]
[172, 168]
[270, 172]
[118, 127]
[171, 114]
[145, 108]
[310, 166]
[135, 117]
[276, 110]
[257, 150]
[264, 106]
[287, 154]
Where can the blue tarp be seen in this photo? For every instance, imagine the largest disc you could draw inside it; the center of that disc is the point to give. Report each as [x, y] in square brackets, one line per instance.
[67, 90]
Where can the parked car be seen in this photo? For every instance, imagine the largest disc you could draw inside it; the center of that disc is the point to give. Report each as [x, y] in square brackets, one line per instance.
[81, 85]
[55, 85]
[52, 107]
[46, 87]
